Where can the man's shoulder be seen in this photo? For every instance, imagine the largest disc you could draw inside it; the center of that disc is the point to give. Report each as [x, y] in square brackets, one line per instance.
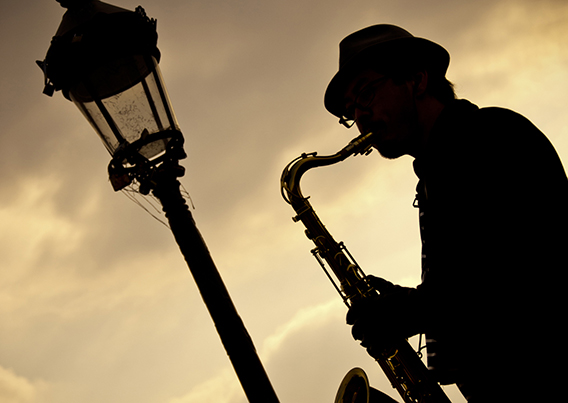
[504, 136]
[490, 124]
[500, 115]
[464, 109]
[468, 132]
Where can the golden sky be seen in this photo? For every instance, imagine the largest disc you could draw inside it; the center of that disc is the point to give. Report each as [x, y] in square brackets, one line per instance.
[96, 302]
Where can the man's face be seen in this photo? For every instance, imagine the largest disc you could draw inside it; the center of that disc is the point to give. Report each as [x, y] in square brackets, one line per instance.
[390, 114]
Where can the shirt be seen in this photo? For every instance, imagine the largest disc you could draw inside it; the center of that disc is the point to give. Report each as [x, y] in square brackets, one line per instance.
[491, 195]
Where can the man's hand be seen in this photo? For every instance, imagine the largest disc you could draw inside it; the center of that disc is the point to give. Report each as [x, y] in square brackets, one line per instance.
[392, 315]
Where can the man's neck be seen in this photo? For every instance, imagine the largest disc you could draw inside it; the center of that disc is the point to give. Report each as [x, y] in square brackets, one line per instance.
[429, 110]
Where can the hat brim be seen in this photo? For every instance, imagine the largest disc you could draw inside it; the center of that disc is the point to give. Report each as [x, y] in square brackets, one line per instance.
[434, 57]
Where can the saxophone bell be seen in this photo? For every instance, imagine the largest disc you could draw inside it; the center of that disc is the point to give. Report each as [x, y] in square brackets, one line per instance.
[354, 388]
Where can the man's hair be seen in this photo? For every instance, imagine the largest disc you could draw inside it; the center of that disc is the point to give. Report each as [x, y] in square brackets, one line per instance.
[440, 88]
[403, 69]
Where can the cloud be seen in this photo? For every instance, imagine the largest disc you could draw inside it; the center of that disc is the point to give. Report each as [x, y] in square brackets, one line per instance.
[515, 58]
[292, 356]
[304, 322]
[306, 359]
[223, 388]
[515, 51]
[308, 356]
[17, 389]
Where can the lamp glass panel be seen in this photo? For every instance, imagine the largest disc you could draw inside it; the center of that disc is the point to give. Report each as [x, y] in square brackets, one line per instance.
[125, 102]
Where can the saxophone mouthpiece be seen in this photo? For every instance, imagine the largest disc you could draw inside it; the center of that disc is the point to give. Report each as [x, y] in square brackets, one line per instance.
[360, 145]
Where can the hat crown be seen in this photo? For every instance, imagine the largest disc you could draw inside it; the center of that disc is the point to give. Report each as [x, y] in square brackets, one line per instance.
[358, 41]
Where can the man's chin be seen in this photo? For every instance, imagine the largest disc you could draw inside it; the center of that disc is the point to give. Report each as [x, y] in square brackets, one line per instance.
[390, 150]
[386, 145]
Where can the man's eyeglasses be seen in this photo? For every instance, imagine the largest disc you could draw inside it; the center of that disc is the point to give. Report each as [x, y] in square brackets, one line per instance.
[363, 100]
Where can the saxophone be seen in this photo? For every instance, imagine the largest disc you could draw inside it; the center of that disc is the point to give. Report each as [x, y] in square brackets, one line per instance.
[401, 364]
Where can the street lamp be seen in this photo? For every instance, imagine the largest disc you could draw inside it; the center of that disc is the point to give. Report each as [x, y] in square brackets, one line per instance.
[105, 60]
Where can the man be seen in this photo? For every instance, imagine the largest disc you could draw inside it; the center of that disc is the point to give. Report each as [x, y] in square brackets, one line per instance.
[491, 197]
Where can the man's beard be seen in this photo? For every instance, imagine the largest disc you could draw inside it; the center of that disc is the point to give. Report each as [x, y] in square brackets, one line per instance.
[394, 146]
[402, 139]
[391, 148]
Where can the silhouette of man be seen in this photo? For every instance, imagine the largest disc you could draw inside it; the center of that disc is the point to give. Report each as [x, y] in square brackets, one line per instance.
[491, 196]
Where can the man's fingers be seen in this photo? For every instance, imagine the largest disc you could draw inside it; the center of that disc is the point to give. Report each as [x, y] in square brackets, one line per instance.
[380, 284]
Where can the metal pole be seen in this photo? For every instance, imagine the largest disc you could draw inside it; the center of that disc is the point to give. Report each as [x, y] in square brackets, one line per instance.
[231, 329]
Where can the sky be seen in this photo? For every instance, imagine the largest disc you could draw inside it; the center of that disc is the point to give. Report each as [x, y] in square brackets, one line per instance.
[96, 301]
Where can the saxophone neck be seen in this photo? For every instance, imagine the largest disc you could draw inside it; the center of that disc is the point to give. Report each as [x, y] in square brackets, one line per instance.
[290, 180]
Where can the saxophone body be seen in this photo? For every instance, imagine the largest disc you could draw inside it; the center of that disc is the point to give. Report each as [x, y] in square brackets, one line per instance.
[400, 363]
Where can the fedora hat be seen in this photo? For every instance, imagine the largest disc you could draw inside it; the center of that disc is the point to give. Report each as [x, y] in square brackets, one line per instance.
[384, 43]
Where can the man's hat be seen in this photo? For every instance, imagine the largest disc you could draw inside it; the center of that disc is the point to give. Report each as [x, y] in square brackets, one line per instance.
[386, 44]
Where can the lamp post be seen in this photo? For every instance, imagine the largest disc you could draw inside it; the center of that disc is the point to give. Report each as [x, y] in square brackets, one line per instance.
[105, 60]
